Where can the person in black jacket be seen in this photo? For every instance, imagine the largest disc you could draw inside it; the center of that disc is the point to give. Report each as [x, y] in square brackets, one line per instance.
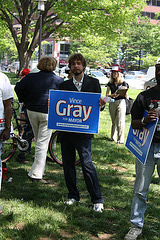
[33, 90]
[70, 142]
[148, 101]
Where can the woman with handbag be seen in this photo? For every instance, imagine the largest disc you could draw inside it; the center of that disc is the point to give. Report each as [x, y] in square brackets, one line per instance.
[117, 109]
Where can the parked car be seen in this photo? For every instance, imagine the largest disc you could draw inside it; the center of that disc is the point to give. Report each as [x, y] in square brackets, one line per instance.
[138, 74]
[13, 67]
[4, 67]
[62, 72]
[149, 84]
[57, 71]
[106, 71]
[150, 73]
[103, 80]
[134, 82]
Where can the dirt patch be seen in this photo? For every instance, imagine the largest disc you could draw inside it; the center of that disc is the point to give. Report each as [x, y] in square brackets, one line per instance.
[65, 234]
[120, 169]
[105, 236]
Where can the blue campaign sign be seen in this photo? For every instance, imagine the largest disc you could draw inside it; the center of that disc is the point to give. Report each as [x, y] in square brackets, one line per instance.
[74, 111]
[139, 140]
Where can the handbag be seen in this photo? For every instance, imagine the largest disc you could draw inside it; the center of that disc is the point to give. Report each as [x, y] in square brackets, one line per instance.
[129, 103]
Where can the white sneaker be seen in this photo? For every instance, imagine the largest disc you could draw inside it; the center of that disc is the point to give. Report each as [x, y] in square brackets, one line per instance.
[133, 233]
[70, 201]
[98, 207]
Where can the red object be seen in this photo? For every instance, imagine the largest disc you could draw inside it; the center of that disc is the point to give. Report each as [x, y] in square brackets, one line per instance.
[116, 68]
[25, 72]
[4, 173]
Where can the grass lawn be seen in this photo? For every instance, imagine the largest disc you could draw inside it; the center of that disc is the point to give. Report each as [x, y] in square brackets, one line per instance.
[13, 78]
[35, 211]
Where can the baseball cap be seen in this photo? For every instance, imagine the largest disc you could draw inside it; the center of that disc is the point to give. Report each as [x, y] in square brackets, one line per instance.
[158, 61]
[116, 68]
[25, 72]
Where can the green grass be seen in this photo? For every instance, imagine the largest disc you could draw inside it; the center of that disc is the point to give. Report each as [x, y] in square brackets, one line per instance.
[34, 211]
[12, 77]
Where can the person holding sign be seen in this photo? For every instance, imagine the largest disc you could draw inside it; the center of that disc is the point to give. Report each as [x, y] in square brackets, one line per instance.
[70, 141]
[117, 108]
[149, 101]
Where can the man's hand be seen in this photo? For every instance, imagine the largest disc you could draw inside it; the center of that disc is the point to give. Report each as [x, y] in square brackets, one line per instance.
[151, 116]
[5, 134]
[101, 102]
[8, 115]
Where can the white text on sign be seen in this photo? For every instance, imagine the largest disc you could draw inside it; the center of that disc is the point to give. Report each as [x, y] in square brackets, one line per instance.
[77, 110]
[141, 135]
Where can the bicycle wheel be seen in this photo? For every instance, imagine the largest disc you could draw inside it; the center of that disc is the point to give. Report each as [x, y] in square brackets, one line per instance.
[8, 149]
[55, 149]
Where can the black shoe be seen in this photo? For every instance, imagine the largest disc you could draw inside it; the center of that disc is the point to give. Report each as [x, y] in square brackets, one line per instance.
[119, 143]
[39, 180]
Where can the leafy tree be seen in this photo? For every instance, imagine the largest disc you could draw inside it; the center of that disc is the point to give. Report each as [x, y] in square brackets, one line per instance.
[63, 18]
[96, 51]
[143, 37]
[149, 60]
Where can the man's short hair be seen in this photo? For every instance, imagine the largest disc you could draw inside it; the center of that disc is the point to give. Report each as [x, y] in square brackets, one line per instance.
[47, 64]
[77, 56]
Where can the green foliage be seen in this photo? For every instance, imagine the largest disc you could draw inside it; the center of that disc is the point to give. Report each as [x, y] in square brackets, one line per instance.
[66, 18]
[105, 18]
[12, 77]
[7, 46]
[143, 36]
[96, 54]
[149, 60]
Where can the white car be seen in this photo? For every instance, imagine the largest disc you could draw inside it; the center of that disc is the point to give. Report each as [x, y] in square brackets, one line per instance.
[103, 80]
[13, 67]
[134, 82]
[62, 72]
[137, 74]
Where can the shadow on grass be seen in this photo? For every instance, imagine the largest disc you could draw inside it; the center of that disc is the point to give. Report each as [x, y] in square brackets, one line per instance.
[37, 211]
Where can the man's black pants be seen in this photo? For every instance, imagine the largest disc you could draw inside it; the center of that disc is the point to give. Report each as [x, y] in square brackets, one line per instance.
[69, 144]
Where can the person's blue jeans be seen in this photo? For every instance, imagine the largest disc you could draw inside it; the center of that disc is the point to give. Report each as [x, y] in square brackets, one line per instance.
[143, 179]
[0, 165]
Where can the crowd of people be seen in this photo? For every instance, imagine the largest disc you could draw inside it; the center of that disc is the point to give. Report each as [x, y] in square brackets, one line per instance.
[33, 93]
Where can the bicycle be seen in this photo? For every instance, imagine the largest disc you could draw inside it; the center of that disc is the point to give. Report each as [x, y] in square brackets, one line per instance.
[16, 140]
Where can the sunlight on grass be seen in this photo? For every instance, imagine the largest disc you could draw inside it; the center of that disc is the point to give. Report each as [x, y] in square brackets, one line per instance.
[36, 211]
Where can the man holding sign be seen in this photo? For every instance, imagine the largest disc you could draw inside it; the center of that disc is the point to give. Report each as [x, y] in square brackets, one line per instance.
[70, 141]
[150, 101]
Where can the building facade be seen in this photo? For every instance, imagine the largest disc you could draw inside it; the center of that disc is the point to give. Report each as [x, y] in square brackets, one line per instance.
[59, 50]
[153, 6]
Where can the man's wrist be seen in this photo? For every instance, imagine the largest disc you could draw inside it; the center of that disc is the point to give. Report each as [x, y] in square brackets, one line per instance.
[143, 121]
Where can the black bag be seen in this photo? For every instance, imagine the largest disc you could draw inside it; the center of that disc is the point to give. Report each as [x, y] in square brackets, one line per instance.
[129, 103]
